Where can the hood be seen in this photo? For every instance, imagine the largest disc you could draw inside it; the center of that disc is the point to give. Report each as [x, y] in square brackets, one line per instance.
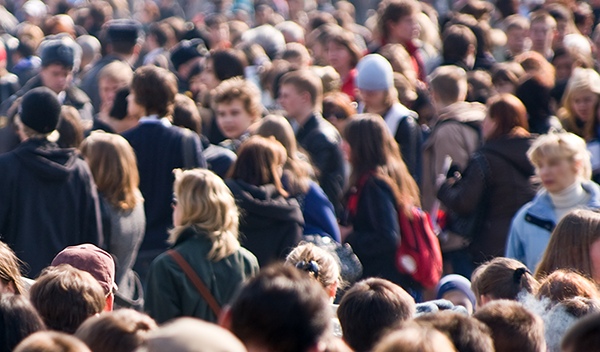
[463, 111]
[46, 160]
[265, 201]
[513, 149]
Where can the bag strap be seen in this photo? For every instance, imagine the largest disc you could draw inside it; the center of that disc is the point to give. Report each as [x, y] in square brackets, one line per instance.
[189, 272]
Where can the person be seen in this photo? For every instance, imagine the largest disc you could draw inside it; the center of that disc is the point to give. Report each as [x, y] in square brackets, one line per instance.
[317, 210]
[123, 330]
[376, 87]
[513, 327]
[280, 309]
[206, 236]
[371, 307]
[516, 28]
[184, 56]
[455, 133]
[456, 289]
[114, 167]
[496, 183]
[18, 319]
[337, 107]
[459, 47]
[237, 106]
[542, 31]
[59, 186]
[192, 335]
[564, 284]
[382, 188]
[65, 297]
[415, 338]
[270, 223]
[112, 78]
[501, 278]
[563, 165]
[51, 341]
[11, 280]
[580, 253]
[159, 148]
[9, 82]
[536, 96]
[343, 55]
[300, 95]
[580, 102]
[583, 336]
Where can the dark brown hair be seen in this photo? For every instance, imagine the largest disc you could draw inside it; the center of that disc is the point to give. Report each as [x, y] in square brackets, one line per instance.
[583, 336]
[466, 333]
[305, 81]
[508, 113]
[339, 105]
[456, 41]
[393, 11]
[155, 89]
[347, 40]
[564, 284]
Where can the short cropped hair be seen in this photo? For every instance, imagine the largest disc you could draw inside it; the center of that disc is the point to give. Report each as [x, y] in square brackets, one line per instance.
[51, 341]
[117, 71]
[450, 83]
[393, 11]
[515, 22]
[281, 309]
[466, 333]
[415, 338]
[513, 327]
[65, 297]
[305, 81]
[456, 41]
[239, 89]
[123, 330]
[155, 89]
[369, 309]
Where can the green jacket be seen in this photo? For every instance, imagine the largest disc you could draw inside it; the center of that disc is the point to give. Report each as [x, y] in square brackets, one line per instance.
[170, 294]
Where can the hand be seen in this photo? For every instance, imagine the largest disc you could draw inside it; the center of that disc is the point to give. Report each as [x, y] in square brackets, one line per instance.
[345, 231]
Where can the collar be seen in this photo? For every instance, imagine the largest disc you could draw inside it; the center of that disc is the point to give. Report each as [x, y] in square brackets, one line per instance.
[155, 119]
[395, 115]
[543, 208]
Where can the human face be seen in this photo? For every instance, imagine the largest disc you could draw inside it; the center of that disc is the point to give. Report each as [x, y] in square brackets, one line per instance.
[515, 40]
[564, 67]
[541, 35]
[291, 101]
[56, 77]
[374, 100]
[339, 57]
[458, 298]
[108, 89]
[133, 108]
[208, 77]
[233, 120]
[584, 104]
[556, 173]
[404, 30]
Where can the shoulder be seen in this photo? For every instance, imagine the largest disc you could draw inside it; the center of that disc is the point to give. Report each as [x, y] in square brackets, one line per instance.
[325, 132]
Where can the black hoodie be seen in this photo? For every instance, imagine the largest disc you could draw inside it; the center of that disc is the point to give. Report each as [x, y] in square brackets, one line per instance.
[270, 225]
[48, 201]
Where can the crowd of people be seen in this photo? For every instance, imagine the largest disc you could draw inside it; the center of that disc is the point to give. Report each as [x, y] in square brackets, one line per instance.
[239, 175]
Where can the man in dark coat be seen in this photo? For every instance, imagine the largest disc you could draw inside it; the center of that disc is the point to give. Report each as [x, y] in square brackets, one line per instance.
[48, 197]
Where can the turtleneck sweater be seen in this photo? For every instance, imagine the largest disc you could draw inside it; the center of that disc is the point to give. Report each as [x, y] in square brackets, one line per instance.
[571, 198]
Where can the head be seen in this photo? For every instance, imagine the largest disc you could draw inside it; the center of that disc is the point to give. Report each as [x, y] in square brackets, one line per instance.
[560, 159]
[397, 22]
[581, 99]
[369, 309]
[260, 161]
[65, 297]
[319, 264]
[204, 202]
[506, 114]
[542, 31]
[222, 65]
[70, 128]
[114, 167]
[466, 333]
[513, 327]
[186, 114]
[400, 60]
[456, 289]
[153, 91]
[18, 319]
[516, 29]
[237, 105]
[459, 44]
[111, 79]
[337, 108]
[375, 83]
[300, 93]
[506, 77]
[342, 51]
[122, 37]
[123, 330]
[51, 341]
[583, 336]
[90, 49]
[297, 55]
[448, 85]
[580, 253]
[415, 338]
[261, 314]
[11, 280]
[186, 54]
[61, 56]
[501, 278]
[564, 284]
[292, 32]
[39, 113]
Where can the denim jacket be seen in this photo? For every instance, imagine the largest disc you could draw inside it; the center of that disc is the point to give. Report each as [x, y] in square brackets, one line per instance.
[532, 226]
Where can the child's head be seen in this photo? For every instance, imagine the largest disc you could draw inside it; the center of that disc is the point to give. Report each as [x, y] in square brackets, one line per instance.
[457, 289]
[237, 106]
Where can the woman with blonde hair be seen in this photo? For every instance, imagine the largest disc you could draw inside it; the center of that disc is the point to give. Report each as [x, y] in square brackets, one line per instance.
[318, 212]
[580, 103]
[206, 237]
[575, 245]
[114, 167]
[10, 272]
[563, 165]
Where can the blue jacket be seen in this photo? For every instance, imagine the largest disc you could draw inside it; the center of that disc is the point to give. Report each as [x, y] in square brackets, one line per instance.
[532, 226]
[319, 215]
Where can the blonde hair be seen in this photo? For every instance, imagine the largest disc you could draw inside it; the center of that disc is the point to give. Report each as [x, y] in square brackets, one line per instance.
[563, 146]
[207, 206]
[582, 80]
[114, 167]
[117, 71]
[10, 268]
[328, 269]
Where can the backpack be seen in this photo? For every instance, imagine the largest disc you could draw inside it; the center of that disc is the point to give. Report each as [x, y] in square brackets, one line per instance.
[418, 254]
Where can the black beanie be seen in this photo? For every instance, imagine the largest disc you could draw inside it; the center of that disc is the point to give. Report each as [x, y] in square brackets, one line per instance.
[40, 110]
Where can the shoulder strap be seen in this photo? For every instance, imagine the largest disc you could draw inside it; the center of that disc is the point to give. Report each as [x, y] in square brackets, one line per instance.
[197, 281]
[188, 146]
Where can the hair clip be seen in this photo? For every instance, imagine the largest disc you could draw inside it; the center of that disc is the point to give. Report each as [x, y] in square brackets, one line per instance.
[311, 267]
[518, 274]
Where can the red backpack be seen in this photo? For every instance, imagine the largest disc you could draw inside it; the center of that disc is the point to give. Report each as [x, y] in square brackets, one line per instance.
[418, 254]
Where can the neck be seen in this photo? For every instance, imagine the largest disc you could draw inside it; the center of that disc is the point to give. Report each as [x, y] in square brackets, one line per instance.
[570, 196]
[303, 117]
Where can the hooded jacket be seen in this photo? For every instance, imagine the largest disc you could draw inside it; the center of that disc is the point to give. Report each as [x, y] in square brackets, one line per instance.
[48, 201]
[270, 225]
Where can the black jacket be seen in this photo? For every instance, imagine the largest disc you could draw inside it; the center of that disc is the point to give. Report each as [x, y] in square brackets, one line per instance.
[510, 184]
[270, 225]
[322, 143]
[48, 201]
